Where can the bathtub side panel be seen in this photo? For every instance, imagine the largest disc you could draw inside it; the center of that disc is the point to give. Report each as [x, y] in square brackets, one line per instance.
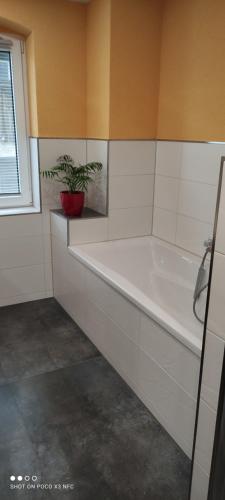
[113, 324]
[68, 282]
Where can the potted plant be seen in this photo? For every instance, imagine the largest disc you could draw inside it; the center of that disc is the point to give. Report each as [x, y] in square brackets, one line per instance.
[76, 178]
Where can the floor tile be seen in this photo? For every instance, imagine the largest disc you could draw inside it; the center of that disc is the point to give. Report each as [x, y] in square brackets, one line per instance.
[38, 337]
[68, 417]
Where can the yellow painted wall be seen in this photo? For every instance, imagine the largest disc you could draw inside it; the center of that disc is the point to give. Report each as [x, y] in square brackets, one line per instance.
[134, 75]
[98, 68]
[123, 49]
[56, 48]
[192, 77]
[94, 69]
[31, 85]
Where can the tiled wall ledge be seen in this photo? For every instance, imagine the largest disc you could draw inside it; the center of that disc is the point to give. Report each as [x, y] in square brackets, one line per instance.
[89, 227]
[131, 167]
[92, 227]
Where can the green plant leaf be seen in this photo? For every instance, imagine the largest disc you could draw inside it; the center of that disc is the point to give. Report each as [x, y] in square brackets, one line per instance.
[76, 177]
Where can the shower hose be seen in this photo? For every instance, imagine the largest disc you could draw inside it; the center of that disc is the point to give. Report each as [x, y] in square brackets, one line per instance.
[199, 288]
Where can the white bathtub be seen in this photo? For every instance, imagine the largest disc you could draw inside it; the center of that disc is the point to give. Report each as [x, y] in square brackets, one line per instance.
[133, 299]
[156, 276]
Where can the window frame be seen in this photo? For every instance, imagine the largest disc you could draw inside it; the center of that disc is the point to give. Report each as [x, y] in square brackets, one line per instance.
[19, 83]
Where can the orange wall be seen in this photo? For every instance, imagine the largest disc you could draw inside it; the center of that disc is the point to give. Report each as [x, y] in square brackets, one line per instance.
[156, 69]
[94, 69]
[98, 68]
[123, 49]
[32, 87]
[134, 76]
[192, 76]
[56, 49]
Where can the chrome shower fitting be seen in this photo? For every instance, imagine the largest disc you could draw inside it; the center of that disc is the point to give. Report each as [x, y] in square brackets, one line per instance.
[208, 244]
[201, 278]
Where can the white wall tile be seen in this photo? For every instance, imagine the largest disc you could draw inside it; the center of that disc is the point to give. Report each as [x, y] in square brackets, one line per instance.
[97, 150]
[59, 262]
[170, 354]
[213, 360]
[20, 225]
[49, 151]
[76, 295]
[18, 252]
[95, 325]
[200, 483]
[21, 281]
[24, 243]
[68, 280]
[88, 230]
[111, 341]
[197, 200]
[124, 352]
[33, 144]
[174, 406]
[107, 336]
[96, 197]
[46, 239]
[192, 233]
[26, 297]
[216, 317]
[164, 224]
[201, 162]
[196, 167]
[35, 173]
[51, 193]
[28, 237]
[59, 227]
[168, 158]
[131, 191]
[46, 215]
[166, 193]
[114, 305]
[48, 277]
[132, 157]
[129, 222]
[205, 436]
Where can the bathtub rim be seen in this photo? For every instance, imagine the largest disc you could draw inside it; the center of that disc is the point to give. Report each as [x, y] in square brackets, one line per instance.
[165, 320]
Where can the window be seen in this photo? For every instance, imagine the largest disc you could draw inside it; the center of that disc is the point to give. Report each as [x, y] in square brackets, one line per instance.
[15, 178]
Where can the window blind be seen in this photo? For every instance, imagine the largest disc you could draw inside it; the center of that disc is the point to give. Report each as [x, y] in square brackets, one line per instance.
[9, 167]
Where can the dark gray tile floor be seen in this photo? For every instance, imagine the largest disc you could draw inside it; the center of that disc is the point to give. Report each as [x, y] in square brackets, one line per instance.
[68, 417]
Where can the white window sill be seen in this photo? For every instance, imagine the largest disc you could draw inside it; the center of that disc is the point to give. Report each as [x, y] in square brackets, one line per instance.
[19, 211]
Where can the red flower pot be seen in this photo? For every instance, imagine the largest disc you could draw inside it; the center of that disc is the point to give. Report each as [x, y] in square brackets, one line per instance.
[72, 203]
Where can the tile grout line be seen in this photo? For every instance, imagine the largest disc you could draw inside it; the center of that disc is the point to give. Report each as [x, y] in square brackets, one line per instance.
[185, 179]
[29, 377]
[181, 214]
